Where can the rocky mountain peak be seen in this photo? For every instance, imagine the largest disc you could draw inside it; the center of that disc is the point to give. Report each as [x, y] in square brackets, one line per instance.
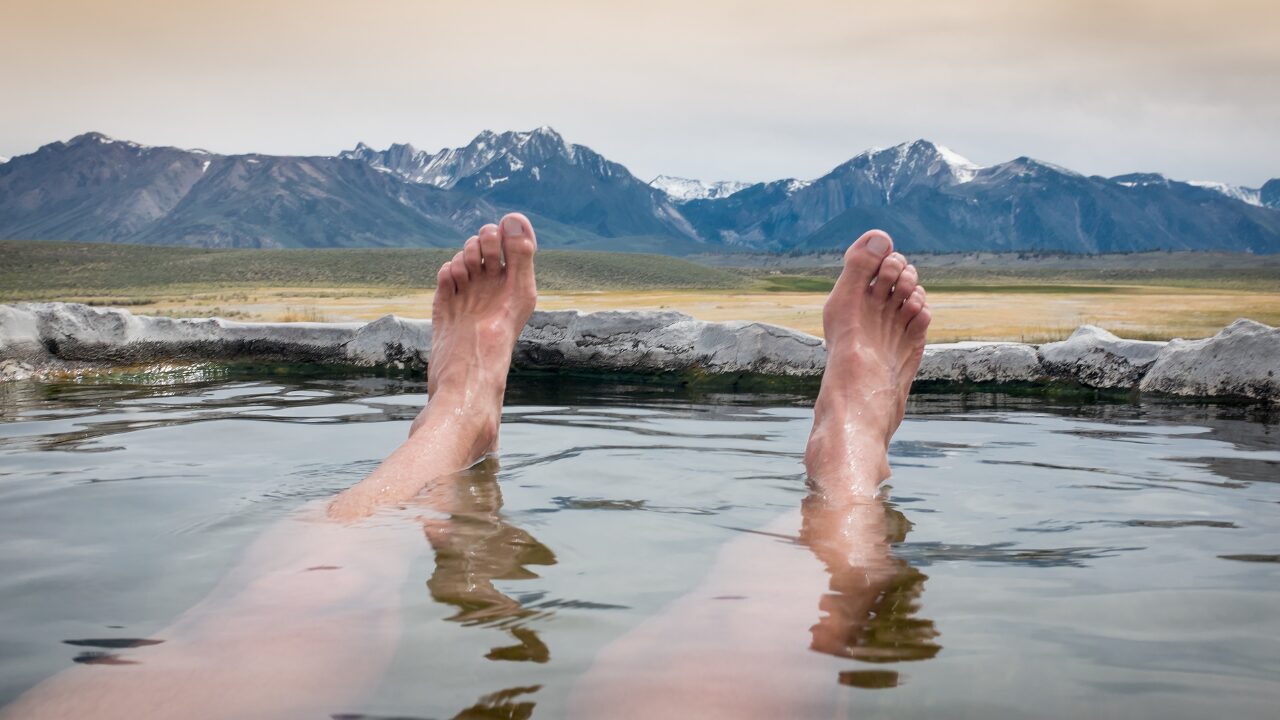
[891, 172]
[536, 145]
[1269, 193]
[1024, 165]
[1140, 179]
[96, 138]
[361, 152]
[89, 137]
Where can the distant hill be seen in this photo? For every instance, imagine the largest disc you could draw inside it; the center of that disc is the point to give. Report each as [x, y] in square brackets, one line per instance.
[96, 189]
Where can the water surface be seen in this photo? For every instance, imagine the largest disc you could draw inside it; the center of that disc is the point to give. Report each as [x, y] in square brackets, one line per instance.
[1054, 559]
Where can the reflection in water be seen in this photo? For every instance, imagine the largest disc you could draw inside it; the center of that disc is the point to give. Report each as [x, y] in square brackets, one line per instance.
[502, 705]
[474, 546]
[1188, 480]
[870, 613]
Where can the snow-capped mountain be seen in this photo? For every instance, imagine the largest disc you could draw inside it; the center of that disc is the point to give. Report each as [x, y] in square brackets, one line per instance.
[489, 153]
[539, 172]
[402, 160]
[1251, 196]
[93, 187]
[897, 169]
[682, 190]
[941, 201]
[1243, 194]
[777, 214]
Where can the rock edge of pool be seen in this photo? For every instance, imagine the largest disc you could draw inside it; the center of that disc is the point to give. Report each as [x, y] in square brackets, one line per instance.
[48, 340]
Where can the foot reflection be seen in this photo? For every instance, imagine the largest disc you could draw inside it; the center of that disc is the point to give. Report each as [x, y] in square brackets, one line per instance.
[870, 613]
[474, 546]
[502, 705]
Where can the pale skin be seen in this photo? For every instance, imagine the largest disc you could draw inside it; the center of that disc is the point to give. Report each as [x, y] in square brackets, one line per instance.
[308, 621]
[710, 655]
[306, 624]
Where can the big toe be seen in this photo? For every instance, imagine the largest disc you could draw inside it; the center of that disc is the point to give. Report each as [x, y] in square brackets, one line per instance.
[863, 259]
[518, 244]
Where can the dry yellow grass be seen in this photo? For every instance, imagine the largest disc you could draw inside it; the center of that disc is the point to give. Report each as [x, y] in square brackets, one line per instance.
[1138, 311]
[309, 313]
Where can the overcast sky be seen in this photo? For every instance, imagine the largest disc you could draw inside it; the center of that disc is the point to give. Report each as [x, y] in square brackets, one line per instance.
[708, 89]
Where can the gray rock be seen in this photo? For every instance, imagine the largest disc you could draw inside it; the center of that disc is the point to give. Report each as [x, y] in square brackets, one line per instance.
[981, 362]
[39, 338]
[649, 342]
[1096, 358]
[760, 348]
[1242, 360]
[20, 335]
[72, 332]
[655, 342]
[391, 340]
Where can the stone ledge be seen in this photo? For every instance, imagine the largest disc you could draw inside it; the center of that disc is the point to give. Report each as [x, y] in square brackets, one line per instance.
[37, 339]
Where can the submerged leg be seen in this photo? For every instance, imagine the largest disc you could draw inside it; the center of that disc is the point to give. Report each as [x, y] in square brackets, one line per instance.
[308, 621]
[739, 645]
[875, 323]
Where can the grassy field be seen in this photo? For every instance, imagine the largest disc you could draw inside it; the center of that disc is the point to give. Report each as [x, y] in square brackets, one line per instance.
[1013, 301]
[52, 270]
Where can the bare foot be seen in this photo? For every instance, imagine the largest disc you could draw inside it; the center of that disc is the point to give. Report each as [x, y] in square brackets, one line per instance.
[276, 641]
[483, 299]
[875, 322]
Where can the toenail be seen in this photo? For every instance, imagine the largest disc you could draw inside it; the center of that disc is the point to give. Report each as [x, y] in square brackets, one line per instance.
[878, 244]
[511, 226]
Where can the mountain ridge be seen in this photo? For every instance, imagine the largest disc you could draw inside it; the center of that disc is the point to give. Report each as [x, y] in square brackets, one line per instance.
[96, 188]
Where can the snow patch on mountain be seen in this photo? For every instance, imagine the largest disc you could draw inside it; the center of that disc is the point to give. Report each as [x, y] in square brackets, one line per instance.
[105, 140]
[896, 170]
[510, 151]
[685, 189]
[962, 168]
[1252, 196]
[794, 186]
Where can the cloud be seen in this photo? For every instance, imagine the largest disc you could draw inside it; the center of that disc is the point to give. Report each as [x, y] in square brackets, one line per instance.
[713, 89]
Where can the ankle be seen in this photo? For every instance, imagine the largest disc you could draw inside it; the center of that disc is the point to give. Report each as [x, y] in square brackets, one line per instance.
[843, 457]
[864, 422]
[465, 413]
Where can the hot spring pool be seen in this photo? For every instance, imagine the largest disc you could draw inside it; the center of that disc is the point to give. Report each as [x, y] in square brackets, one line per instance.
[1060, 559]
